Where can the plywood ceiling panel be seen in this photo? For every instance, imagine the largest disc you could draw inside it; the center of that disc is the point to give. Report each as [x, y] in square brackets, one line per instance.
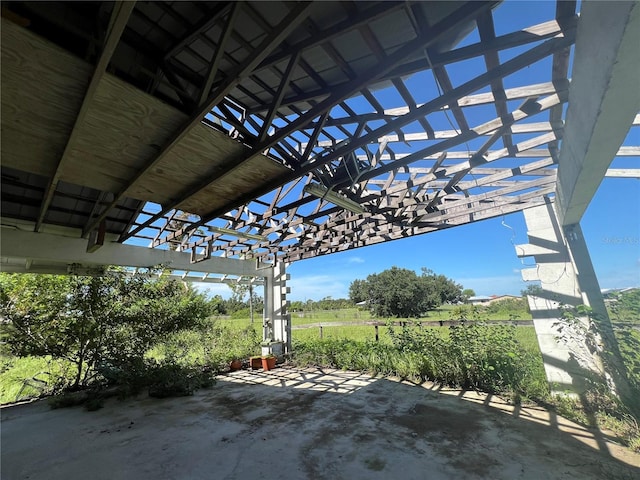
[42, 90]
[257, 171]
[124, 129]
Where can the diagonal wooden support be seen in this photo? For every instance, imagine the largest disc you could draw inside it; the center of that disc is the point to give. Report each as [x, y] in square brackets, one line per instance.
[275, 104]
[202, 26]
[219, 53]
[487, 34]
[270, 42]
[515, 64]
[447, 25]
[536, 33]
[119, 18]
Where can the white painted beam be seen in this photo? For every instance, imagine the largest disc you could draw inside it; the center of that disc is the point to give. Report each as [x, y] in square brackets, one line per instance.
[604, 99]
[43, 249]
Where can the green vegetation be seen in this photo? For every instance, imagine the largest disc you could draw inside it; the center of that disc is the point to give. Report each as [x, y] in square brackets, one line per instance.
[22, 378]
[155, 335]
[108, 319]
[624, 311]
[399, 292]
[489, 358]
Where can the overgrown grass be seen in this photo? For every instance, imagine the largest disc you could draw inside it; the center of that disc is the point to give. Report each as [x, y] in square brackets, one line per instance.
[215, 344]
[488, 358]
[22, 378]
[181, 362]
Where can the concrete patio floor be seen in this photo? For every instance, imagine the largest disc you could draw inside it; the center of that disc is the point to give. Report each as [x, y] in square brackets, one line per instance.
[307, 424]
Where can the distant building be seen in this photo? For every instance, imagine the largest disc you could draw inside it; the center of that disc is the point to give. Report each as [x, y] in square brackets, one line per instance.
[484, 300]
[479, 300]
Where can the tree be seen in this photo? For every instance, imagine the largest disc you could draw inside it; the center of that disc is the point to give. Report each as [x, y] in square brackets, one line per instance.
[236, 304]
[217, 305]
[532, 290]
[358, 291]
[467, 293]
[110, 317]
[401, 292]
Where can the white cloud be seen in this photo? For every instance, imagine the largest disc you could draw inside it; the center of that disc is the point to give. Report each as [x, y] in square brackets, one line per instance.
[355, 260]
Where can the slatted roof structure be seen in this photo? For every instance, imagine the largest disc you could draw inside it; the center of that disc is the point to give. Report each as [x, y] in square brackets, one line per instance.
[278, 130]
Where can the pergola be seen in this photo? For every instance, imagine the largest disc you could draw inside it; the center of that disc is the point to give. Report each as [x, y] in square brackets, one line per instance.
[232, 137]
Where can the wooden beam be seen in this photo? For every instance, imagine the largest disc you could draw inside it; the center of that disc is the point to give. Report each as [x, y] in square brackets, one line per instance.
[201, 27]
[219, 53]
[353, 22]
[460, 16]
[515, 64]
[505, 69]
[536, 33]
[491, 126]
[277, 100]
[533, 127]
[536, 90]
[270, 42]
[491, 59]
[119, 17]
[560, 70]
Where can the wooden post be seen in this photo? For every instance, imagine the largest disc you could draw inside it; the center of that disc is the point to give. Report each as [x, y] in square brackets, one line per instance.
[320, 332]
[377, 337]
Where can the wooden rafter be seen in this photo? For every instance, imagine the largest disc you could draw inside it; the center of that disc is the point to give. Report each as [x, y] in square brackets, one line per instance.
[272, 40]
[536, 33]
[219, 53]
[119, 18]
[282, 88]
[461, 15]
[507, 68]
[197, 30]
[487, 34]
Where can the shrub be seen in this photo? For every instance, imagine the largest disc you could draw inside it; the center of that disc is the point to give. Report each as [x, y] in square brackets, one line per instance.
[472, 356]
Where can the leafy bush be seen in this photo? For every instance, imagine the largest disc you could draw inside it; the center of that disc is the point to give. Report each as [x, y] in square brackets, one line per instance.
[111, 316]
[213, 344]
[172, 380]
[473, 356]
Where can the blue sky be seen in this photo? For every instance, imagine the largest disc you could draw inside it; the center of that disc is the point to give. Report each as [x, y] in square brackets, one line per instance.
[481, 256]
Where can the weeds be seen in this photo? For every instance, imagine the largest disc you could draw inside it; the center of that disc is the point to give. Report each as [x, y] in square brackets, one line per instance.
[472, 356]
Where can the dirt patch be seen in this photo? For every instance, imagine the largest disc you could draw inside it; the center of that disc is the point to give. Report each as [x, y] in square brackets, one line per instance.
[375, 464]
[429, 420]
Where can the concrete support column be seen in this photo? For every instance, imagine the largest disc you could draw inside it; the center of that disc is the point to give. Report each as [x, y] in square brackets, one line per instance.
[575, 344]
[277, 320]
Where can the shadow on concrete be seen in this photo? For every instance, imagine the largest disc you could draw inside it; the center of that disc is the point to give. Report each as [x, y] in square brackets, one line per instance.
[308, 423]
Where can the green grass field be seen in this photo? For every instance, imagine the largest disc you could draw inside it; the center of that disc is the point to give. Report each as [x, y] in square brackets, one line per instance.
[445, 312]
[27, 377]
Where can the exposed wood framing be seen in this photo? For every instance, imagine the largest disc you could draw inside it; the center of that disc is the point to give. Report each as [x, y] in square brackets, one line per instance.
[219, 53]
[304, 102]
[280, 32]
[119, 18]
[339, 94]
